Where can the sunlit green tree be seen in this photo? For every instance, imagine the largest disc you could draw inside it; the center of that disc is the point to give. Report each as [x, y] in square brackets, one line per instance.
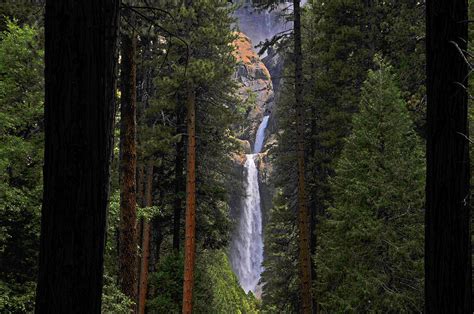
[370, 247]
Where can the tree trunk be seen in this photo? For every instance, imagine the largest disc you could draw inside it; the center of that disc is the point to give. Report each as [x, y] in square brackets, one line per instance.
[447, 231]
[143, 289]
[315, 207]
[190, 224]
[303, 212]
[80, 59]
[128, 164]
[179, 184]
[139, 225]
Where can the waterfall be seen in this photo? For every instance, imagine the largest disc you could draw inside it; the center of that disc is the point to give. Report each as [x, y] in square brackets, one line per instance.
[260, 135]
[260, 25]
[247, 246]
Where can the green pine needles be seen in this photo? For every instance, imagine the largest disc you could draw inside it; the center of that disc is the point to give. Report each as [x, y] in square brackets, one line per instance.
[370, 252]
[21, 158]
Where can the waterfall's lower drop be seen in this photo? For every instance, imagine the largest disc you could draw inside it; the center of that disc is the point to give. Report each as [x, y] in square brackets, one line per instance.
[247, 244]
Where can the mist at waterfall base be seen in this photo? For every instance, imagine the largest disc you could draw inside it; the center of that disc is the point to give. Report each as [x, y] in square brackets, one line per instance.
[247, 247]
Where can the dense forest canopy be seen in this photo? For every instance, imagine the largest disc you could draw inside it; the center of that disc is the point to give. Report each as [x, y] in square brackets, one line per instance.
[216, 156]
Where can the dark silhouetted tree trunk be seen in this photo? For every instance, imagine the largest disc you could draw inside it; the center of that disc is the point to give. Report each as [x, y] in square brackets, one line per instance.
[303, 212]
[128, 165]
[190, 224]
[143, 289]
[447, 243]
[80, 48]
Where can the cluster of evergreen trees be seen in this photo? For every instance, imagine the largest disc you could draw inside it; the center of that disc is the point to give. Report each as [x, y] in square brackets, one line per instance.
[364, 127]
[132, 197]
[163, 51]
[21, 157]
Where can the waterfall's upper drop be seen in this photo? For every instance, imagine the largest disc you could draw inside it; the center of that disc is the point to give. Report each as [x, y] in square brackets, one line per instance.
[260, 138]
[260, 25]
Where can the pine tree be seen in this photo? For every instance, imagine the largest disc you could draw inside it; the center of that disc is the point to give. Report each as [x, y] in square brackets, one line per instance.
[448, 269]
[339, 41]
[190, 219]
[281, 229]
[80, 48]
[280, 293]
[128, 164]
[163, 72]
[145, 243]
[342, 38]
[179, 180]
[303, 211]
[190, 226]
[370, 248]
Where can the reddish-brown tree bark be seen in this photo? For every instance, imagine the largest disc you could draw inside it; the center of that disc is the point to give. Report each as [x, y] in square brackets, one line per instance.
[80, 60]
[141, 181]
[143, 288]
[190, 223]
[128, 165]
[447, 231]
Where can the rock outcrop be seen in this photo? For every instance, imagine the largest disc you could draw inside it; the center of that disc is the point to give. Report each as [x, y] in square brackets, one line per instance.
[256, 87]
[257, 93]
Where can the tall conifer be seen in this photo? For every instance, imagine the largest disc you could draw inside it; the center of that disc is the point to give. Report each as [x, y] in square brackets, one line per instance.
[370, 251]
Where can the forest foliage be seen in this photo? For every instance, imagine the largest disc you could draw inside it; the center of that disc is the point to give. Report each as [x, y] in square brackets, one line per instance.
[162, 64]
[21, 156]
[341, 40]
[370, 254]
[365, 129]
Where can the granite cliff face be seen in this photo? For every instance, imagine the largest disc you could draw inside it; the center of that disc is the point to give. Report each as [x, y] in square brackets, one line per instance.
[256, 91]
[256, 87]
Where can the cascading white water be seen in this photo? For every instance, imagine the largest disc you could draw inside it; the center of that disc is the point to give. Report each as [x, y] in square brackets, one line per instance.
[247, 247]
[257, 148]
